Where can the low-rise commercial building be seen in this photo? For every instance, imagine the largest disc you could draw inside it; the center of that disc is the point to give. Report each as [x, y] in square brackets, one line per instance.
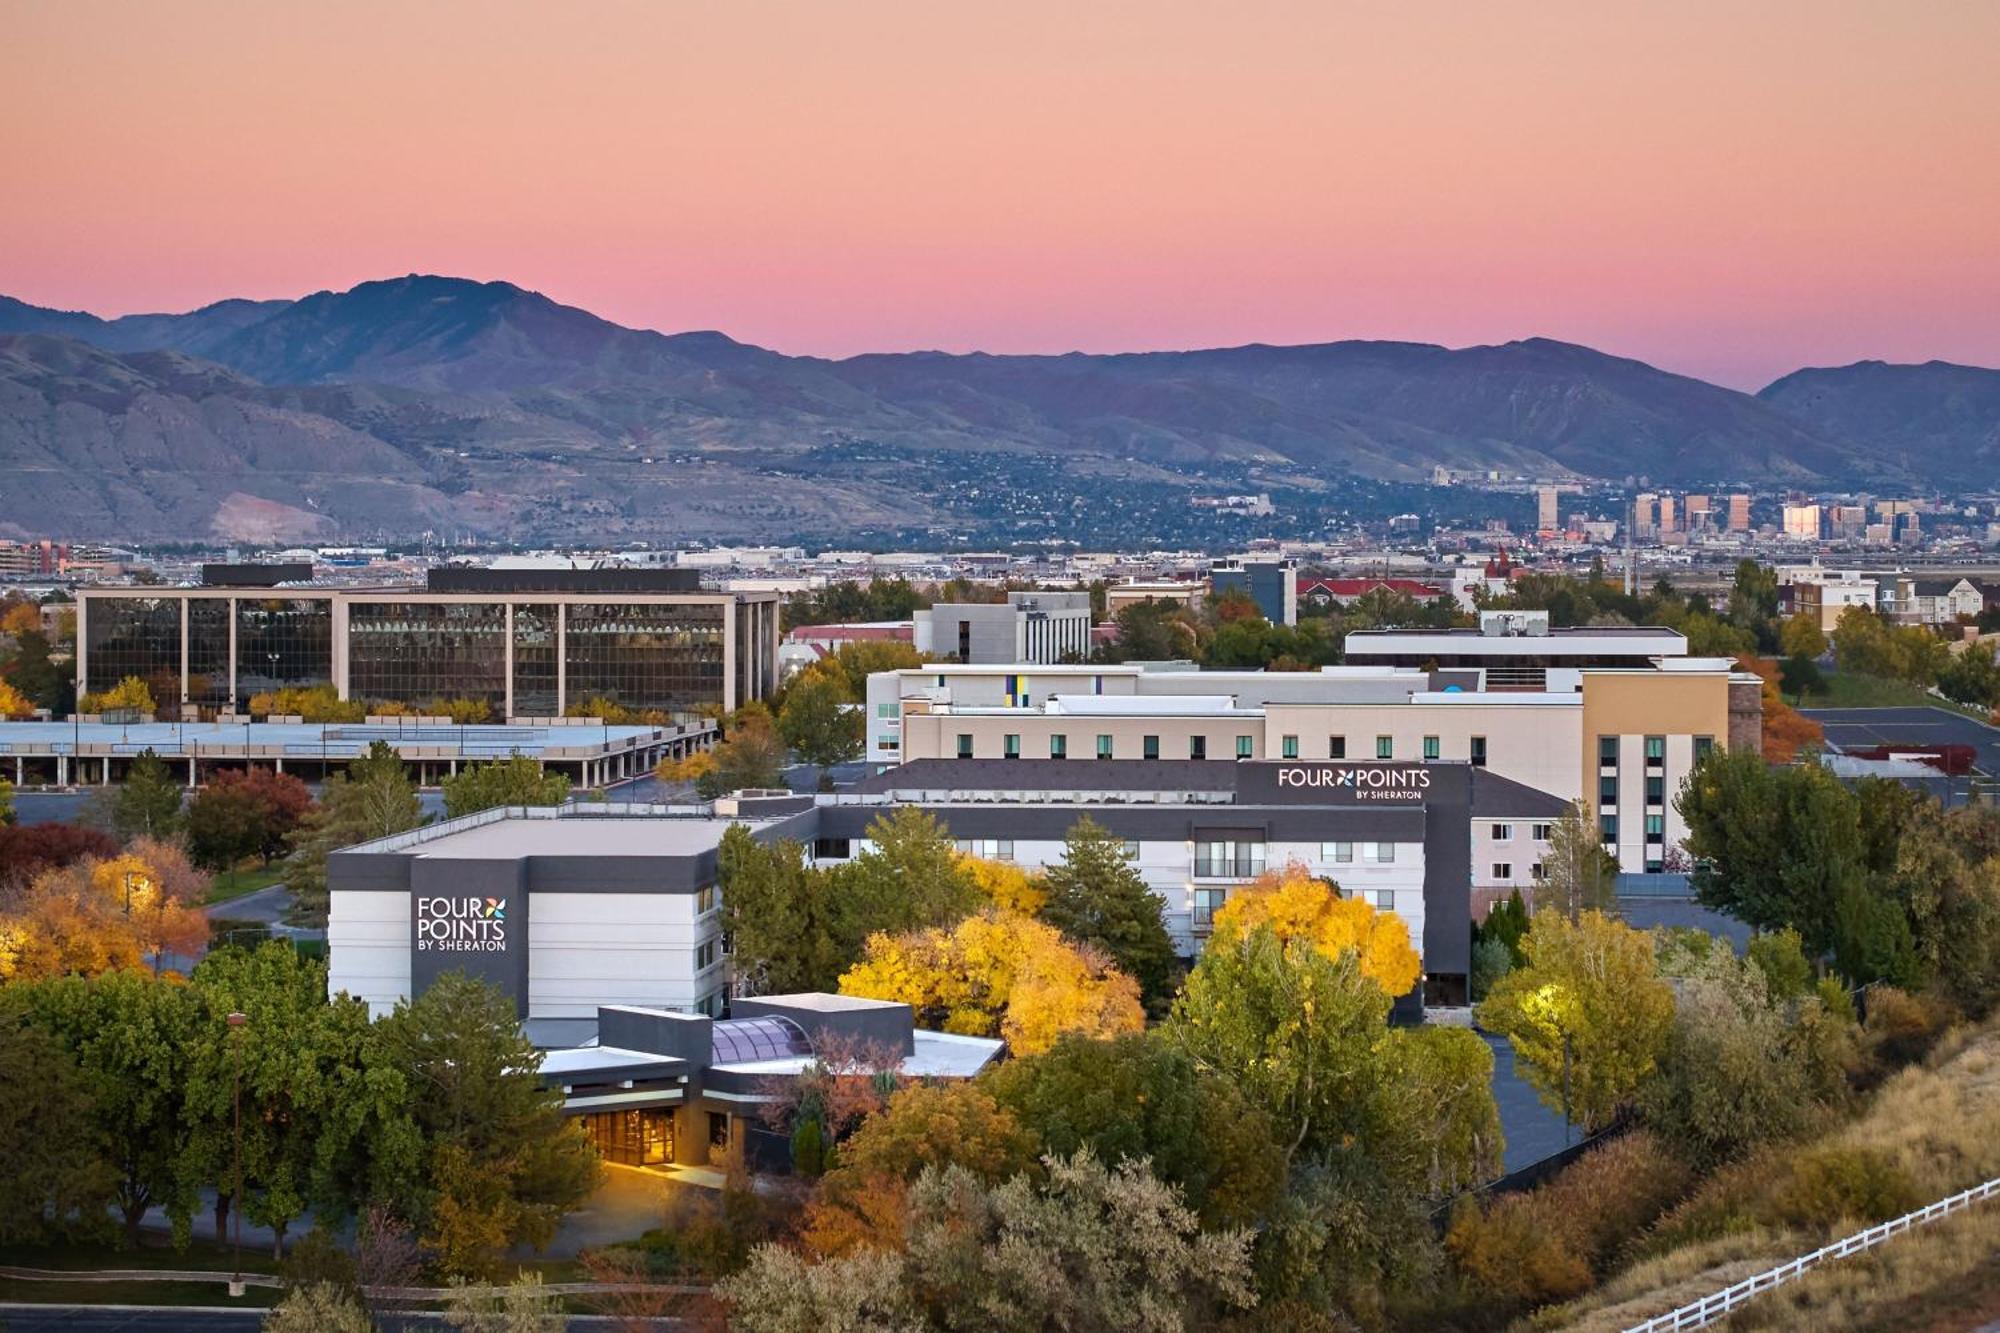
[1029, 627]
[529, 643]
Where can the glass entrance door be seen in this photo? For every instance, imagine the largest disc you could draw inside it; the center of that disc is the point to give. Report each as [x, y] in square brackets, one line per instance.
[632, 1138]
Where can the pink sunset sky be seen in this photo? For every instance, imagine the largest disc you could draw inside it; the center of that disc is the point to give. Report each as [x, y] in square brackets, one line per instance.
[1727, 189]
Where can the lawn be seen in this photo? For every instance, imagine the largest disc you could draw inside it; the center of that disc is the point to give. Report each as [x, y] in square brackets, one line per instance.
[232, 884]
[1851, 689]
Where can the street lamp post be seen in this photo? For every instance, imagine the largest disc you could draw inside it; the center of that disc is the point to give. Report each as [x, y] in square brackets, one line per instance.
[236, 1021]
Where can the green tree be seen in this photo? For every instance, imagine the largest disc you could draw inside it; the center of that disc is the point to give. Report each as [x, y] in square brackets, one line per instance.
[1801, 636]
[52, 1153]
[148, 802]
[1753, 599]
[6, 802]
[1588, 1016]
[129, 1036]
[821, 722]
[1096, 897]
[776, 916]
[911, 876]
[325, 1113]
[1578, 875]
[374, 798]
[1140, 1097]
[752, 756]
[517, 780]
[35, 674]
[1799, 676]
[500, 1163]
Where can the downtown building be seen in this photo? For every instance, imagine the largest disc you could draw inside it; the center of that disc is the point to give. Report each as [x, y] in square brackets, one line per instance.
[531, 644]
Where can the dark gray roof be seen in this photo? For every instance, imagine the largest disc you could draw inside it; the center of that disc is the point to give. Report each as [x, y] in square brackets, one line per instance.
[1494, 797]
[1081, 773]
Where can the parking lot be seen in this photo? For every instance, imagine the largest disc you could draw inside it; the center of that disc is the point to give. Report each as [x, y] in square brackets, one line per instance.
[1851, 728]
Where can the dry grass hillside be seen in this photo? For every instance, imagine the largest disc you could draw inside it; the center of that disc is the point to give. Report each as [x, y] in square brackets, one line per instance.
[1930, 1131]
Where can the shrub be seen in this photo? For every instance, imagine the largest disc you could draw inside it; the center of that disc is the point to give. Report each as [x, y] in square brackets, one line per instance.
[1730, 1201]
[1491, 960]
[1902, 1027]
[318, 1309]
[1507, 1250]
[1835, 1184]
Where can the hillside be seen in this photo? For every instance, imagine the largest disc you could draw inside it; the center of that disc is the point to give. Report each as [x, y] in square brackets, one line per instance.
[1937, 419]
[487, 408]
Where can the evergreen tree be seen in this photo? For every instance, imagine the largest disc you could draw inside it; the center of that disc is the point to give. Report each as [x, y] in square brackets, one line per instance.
[517, 780]
[373, 799]
[148, 804]
[1096, 897]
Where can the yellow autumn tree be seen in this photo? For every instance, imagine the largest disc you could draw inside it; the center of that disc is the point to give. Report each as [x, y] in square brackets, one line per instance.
[691, 767]
[130, 910]
[999, 974]
[13, 703]
[1005, 885]
[1299, 907]
[129, 693]
[21, 618]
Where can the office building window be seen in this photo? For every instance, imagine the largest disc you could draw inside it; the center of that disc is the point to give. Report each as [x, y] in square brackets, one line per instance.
[1607, 790]
[1245, 747]
[965, 745]
[1058, 746]
[1430, 747]
[1479, 752]
[1336, 747]
[1382, 853]
[1704, 746]
[1103, 746]
[1385, 900]
[1541, 832]
[1503, 832]
[988, 849]
[1385, 747]
[1197, 747]
[1228, 859]
[1607, 751]
[1150, 747]
[1656, 751]
[1340, 853]
[1503, 870]
[1289, 747]
[1010, 745]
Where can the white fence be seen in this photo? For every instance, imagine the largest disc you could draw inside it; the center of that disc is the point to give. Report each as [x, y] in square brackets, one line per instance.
[1708, 1309]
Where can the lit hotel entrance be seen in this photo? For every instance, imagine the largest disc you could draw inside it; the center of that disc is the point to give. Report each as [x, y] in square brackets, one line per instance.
[632, 1138]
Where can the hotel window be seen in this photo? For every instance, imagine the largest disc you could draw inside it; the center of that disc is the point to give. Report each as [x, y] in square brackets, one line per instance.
[1656, 828]
[1058, 747]
[1607, 790]
[705, 955]
[965, 745]
[1607, 827]
[1656, 789]
[1704, 746]
[705, 900]
[1246, 746]
[1537, 871]
[1541, 832]
[1289, 747]
[1655, 867]
[718, 1129]
[1129, 849]
[1207, 902]
[988, 849]
[1336, 747]
[1197, 747]
[1340, 853]
[1479, 752]
[1503, 832]
[1103, 746]
[1503, 870]
[1385, 900]
[1656, 751]
[1150, 747]
[1228, 860]
[1607, 751]
[832, 849]
[1382, 853]
[1010, 745]
[1385, 747]
[885, 710]
[1430, 747]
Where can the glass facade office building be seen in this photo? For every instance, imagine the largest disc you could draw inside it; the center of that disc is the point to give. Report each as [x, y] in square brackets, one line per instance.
[526, 655]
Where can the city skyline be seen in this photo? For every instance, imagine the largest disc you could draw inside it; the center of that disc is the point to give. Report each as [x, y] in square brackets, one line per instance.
[1704, 191]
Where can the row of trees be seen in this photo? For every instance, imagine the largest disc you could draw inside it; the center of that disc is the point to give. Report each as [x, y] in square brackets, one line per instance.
[434, 1111]
[31, 672]
[1865, 643]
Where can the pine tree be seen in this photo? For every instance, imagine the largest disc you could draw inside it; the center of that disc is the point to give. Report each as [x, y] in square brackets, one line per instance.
[148, 805]
[1096, 897]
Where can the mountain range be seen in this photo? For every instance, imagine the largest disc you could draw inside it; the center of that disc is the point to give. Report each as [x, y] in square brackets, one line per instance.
[432, 403]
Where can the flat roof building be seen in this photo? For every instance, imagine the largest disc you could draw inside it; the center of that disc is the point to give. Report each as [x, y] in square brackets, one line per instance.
[1029, 627]
[528, 643]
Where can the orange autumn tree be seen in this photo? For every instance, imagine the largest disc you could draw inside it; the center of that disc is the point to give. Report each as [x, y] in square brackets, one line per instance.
[999, 974]
[1786, 730]
[1299, 907]
[100, 915]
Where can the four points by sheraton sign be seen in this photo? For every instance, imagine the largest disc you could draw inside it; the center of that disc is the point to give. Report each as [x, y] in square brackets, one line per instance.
[461, 925]
[1333, 784]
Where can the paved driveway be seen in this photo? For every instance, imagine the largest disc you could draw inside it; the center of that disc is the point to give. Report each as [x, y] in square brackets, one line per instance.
[1858, 728]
